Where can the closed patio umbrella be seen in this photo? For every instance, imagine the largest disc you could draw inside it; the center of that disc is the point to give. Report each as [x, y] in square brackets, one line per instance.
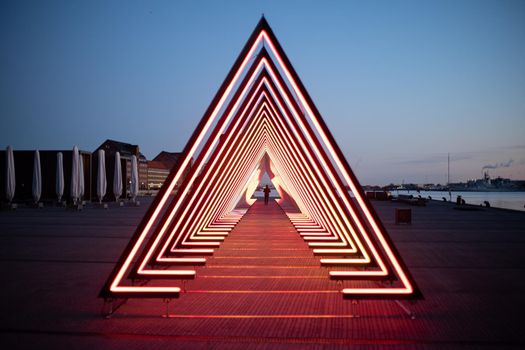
[10, 175]
[75, 190]
[117, 178]
[60, 176]
[80, 178]
[134, 189]
[101, 175]
[37, 177]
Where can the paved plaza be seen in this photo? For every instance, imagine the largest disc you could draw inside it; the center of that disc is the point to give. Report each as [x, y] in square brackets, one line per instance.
[263, 288]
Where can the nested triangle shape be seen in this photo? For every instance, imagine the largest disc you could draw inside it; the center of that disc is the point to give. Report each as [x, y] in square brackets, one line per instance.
[261, 111]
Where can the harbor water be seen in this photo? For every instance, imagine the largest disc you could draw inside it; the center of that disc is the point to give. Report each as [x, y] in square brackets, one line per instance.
[507, 200]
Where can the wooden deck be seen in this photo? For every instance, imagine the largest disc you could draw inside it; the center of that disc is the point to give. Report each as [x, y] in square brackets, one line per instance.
[263, 288]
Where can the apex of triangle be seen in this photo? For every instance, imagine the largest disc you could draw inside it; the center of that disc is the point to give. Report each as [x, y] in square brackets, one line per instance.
[263, 23]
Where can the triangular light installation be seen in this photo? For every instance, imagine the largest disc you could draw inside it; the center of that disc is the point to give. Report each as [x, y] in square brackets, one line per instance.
[262, 117]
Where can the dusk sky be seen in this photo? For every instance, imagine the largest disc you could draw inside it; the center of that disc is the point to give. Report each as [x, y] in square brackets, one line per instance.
[400, 83]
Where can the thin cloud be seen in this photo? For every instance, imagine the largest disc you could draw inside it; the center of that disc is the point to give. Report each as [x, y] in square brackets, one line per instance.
[514, 147]
[436, 159]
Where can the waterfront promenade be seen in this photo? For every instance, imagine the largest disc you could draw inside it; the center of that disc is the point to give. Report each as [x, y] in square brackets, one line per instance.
[263, 288]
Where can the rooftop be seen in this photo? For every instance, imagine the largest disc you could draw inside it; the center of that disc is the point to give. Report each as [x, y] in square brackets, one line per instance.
[125, 149]
[168, 158]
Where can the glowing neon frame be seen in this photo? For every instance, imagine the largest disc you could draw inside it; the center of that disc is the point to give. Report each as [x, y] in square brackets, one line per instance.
[297, 103]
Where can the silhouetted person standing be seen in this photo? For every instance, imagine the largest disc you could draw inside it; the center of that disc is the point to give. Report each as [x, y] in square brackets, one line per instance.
[266, 194]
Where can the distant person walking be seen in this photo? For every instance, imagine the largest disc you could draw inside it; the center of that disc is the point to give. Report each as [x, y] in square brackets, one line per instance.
[266, 194]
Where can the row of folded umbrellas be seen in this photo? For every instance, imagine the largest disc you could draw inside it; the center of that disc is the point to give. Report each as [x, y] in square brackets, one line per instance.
[77, 176]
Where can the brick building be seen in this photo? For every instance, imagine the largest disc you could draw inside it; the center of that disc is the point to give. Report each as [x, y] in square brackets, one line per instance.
[160, 167]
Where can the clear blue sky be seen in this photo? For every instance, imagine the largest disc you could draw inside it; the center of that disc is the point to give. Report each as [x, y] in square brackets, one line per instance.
[400, 83]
